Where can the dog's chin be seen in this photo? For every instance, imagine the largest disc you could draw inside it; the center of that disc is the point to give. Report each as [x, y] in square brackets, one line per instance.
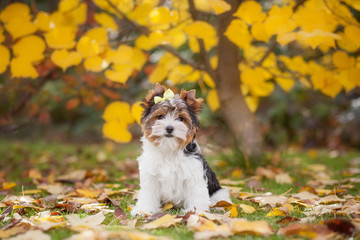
[167, 142]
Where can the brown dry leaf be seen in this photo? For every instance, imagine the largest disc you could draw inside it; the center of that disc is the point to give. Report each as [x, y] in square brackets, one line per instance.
[75, 176]
[251, 227]
[164, 222]
[342, 226]
[32, 235]
[312, 231]
[119, 213]
[54, 189]
[305, 195]
[283, 178]
[273, 201]
[287, 220]
[95, 207]
[331, 199]
[247, 209]
[264, 172]
[244, 195]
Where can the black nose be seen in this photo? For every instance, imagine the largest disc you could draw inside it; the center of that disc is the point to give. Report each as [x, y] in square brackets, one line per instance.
[169, 129]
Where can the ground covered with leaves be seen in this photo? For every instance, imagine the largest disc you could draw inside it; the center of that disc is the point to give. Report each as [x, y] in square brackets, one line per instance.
[72, 191]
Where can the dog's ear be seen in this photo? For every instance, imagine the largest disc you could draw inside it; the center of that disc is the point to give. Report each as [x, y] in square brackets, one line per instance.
[194, 104]
[149, 99]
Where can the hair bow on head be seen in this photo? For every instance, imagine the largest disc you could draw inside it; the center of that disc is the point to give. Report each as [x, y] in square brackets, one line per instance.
[168, 95]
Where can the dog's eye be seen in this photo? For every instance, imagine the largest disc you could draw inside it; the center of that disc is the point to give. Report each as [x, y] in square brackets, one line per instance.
[180, 119]
[160, 117]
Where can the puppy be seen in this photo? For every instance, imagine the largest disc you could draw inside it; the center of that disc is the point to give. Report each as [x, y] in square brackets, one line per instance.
[171, 166]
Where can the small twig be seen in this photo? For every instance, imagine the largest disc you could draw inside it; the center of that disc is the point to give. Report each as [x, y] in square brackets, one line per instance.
[298, 4]
[270, 49]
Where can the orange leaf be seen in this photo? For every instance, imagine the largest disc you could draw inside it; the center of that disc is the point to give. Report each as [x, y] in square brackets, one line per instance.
[72, 103]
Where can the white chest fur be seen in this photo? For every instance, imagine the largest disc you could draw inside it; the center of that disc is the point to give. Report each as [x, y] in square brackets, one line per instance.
[175, 174]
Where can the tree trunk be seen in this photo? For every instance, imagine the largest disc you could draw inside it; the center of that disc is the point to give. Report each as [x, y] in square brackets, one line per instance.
[235, 111]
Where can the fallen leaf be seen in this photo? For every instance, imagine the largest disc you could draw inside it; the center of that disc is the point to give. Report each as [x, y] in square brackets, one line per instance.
[32, 235]
[168, 206]
[342, 226]
[276, 212]
[119, 213]
[305, 195]
[287, 220]
[247, 209]
[88, 221]
[283, 178]
[312, 231]
[164, 222]
[251, 227]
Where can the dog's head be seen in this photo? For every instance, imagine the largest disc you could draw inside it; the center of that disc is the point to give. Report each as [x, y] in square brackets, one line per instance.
[170, 120]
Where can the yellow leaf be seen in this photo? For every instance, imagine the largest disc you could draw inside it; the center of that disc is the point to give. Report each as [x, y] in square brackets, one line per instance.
[5, 58]
[95, 64]
[22, 68]
[168, 206]
[250, 12]
[247, 209]
[234, 211]
[252, 102]
[42, 21]
[177, 37]
[141, 12]
[106, 21]
[161, 17]
[279, 20]
[117, 131]
[67, 5]
[326, 82]
[15, 10]
[19, 27]
[178, 74]
[238, 33]
[30, 47]
[8, 185]
[254, 227]
[275, 212]
[285, 38]
[213, 100]
[259, 32]
[136, 111]
[88, 47]
[98, 34]
[120, 73]
[342, 61]
[159, 223]
[65, 59]
[202, 5]
[219, 6]
[353, 33]
[347, 44]
[208, 80]
[61, 37]
[118, 111]
[354, 76]
[143, 42]
[200, 29]
[159, 74]
[122, 55]
[252, 77]
[313, 39]
[138, 59]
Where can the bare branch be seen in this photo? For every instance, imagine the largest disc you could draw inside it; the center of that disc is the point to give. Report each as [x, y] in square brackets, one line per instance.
[146, 31]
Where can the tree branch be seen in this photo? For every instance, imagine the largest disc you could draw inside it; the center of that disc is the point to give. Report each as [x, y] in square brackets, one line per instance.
[203, 53]
[270, 49]
[146, 31]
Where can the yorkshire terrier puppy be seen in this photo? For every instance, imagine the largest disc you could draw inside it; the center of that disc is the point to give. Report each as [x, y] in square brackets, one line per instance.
[171, 166]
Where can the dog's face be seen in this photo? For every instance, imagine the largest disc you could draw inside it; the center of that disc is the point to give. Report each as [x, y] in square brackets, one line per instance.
[170, 123]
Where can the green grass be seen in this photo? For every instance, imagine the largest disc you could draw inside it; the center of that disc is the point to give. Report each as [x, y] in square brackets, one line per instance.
[20, 156]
